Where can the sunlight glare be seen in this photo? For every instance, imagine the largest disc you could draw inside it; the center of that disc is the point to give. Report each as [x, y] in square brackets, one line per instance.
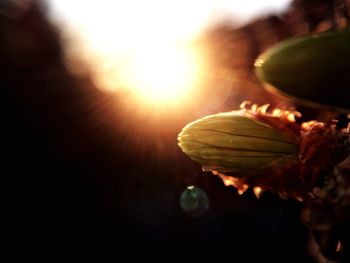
[114, 38]
[164, 74]
[138, 46]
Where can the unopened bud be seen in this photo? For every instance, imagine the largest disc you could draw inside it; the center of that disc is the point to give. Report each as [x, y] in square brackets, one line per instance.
[235, 142]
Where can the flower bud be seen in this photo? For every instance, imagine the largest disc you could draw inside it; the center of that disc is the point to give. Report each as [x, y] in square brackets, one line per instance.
[313, 69]
[235, 142]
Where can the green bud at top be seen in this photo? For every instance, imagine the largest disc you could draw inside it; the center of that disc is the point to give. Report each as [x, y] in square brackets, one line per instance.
[235, 142]
[313, 69]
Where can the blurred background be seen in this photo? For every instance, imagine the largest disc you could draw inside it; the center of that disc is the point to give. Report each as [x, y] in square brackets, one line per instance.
[93, 95]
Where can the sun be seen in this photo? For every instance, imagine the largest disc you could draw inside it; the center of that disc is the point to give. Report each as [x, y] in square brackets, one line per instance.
[163, 75]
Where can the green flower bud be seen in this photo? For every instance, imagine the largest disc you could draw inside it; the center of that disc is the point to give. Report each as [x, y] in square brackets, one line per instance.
[235, 142]
[314, 69]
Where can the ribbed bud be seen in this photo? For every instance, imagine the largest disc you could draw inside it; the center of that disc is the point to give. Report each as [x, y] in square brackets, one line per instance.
[235, 142]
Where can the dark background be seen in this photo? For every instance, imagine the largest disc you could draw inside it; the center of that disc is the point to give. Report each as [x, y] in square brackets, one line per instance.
[80, 166]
